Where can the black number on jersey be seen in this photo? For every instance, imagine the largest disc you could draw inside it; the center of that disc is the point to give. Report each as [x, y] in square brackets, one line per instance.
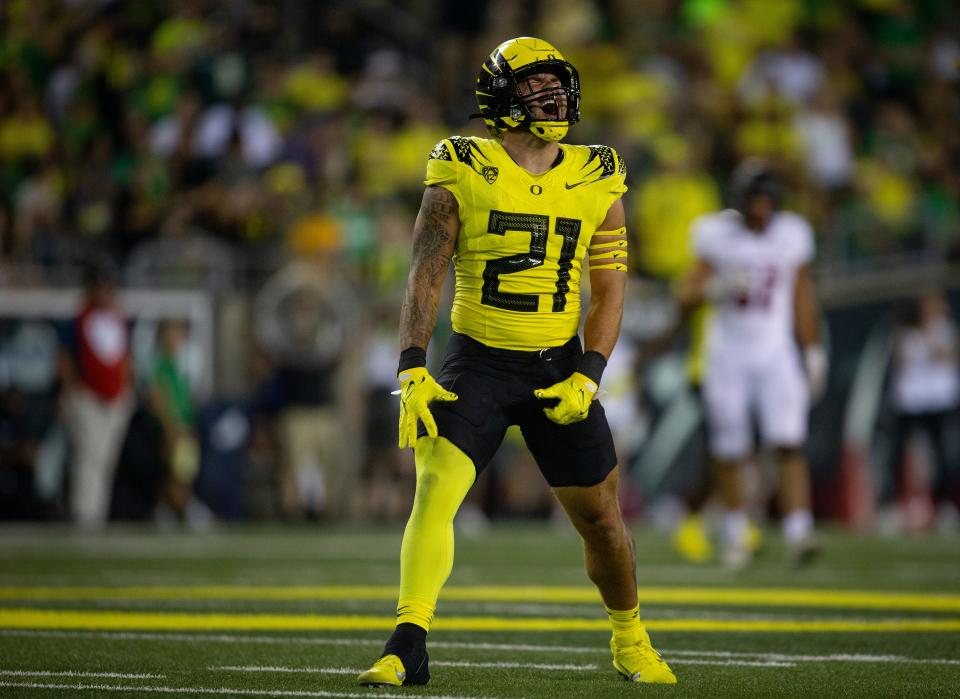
[569, 228]
[499, 223]
[537, 225]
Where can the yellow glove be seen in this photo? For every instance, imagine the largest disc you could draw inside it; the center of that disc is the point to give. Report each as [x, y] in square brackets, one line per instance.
[417, 389]
[575, 393]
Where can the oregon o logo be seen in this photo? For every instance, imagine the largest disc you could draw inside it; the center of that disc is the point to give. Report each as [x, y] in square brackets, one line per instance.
[536, 189]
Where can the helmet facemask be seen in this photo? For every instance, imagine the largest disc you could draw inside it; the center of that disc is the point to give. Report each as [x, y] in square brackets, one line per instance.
[547, 99]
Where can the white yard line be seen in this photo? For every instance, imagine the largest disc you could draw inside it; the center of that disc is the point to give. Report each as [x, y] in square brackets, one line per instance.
[731, 663]
[435, 663]
[77, 673]
[511, 647]
[220, 691]
[834, 657]
[521, 647]
[519, 666]
[862, 658]
[280, 668]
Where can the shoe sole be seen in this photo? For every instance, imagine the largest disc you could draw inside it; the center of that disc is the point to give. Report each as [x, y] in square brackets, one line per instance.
[405, 683]
[629, 678]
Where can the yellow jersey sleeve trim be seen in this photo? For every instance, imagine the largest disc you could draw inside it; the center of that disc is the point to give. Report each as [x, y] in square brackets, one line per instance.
[611, 254]
[617, 267]
[608, 255]
[615, 233]
[613, 244]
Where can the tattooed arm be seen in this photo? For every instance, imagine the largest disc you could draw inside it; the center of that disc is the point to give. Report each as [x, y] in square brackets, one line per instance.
[434, 241]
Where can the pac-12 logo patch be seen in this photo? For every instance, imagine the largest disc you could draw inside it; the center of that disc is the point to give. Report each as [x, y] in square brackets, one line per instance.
[490, 174]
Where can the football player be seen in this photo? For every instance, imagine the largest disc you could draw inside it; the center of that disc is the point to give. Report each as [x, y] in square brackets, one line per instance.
[523, 217]
[753, 267]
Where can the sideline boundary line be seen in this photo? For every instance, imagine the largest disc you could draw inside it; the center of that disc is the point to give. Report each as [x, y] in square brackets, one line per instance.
[152, 621]
[782, 597]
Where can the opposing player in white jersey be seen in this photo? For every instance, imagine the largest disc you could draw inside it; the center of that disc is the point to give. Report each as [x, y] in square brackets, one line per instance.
[753, 268]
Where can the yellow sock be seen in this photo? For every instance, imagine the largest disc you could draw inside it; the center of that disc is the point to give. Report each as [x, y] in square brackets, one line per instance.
[412, 612]
[444, 475]
[627, 629]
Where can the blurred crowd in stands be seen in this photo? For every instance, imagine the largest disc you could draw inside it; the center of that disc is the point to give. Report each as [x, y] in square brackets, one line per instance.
[277, 148]
[164, 133]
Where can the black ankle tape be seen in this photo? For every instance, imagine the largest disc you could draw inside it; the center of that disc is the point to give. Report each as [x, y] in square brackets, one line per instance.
[413, 631]
[405, 637]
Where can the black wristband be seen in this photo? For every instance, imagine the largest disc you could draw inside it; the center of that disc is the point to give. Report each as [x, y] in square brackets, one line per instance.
[591, 365]
[411, 358]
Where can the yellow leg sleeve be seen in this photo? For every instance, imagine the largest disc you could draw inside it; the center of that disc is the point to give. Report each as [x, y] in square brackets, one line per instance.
[444, 475]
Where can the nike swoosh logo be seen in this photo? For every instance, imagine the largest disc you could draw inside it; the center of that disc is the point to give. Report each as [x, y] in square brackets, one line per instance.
[575, 184]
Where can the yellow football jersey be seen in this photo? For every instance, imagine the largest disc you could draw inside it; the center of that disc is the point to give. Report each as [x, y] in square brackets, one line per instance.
[696, 352]
[522, 237]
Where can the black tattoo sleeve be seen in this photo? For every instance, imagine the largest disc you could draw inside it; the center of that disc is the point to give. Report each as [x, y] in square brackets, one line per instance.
[434, 241]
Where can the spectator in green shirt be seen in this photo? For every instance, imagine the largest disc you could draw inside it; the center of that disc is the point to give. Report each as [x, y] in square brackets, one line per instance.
[172, 402]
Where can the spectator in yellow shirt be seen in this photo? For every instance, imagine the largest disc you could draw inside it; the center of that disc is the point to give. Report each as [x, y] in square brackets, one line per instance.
[666, 205]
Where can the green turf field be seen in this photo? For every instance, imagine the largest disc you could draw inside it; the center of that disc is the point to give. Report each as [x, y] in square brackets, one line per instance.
[298, 612]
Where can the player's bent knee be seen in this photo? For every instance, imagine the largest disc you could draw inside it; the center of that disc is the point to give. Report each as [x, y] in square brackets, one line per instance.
[605, 531]
[600, 518]
[440, 454]
[442, 469]
[600, 524]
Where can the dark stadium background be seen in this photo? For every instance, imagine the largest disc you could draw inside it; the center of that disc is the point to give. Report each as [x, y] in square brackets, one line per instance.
[253, 169]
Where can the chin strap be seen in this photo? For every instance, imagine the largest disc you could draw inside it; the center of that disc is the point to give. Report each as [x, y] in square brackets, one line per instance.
[549, 130]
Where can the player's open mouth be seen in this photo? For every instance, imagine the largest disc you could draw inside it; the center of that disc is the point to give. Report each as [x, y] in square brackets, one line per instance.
[551, 109]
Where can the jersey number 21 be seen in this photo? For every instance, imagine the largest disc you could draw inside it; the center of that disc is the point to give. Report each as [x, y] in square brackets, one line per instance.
[538, 226]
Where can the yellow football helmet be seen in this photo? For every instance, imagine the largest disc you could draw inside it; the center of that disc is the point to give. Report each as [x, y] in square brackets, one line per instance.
[502, 106]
